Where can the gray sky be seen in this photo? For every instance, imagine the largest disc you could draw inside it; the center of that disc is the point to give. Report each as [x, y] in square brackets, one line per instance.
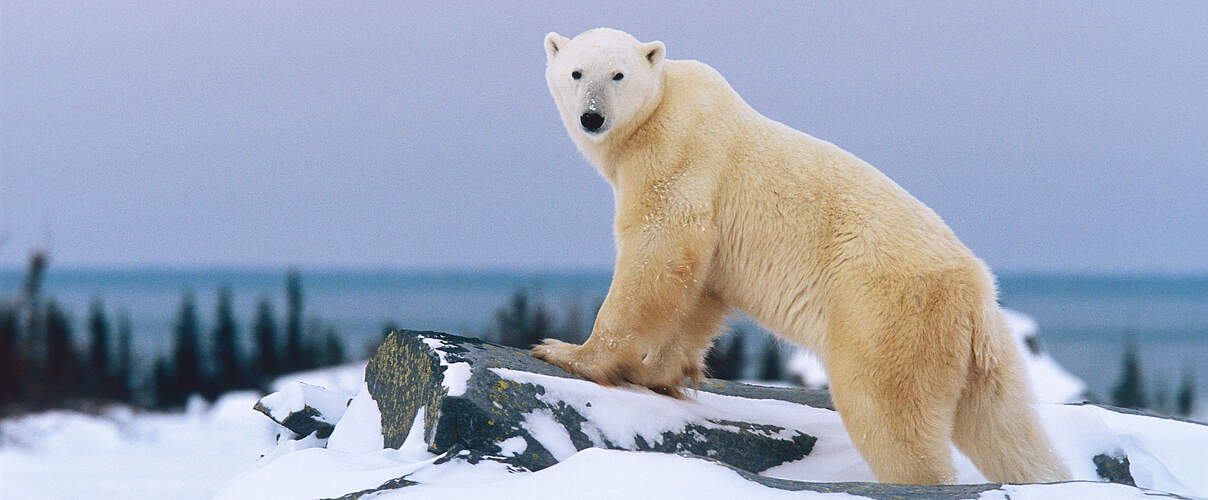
[1068, 137]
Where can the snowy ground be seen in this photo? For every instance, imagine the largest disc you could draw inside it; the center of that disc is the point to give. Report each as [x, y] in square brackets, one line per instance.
[126, 454]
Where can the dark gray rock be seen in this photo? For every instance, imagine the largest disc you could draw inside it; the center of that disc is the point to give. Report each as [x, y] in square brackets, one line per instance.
[1114, 468]
[406, 374]
[302, 422]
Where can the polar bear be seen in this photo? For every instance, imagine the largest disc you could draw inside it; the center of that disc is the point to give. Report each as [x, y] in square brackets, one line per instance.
[719, 207]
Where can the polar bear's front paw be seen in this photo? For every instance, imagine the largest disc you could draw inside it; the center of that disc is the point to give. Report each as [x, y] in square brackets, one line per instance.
[554, 351]
[666, 375]
[576, 359]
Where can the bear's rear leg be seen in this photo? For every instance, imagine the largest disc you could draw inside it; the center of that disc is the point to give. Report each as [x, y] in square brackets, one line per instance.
[996, 426]
[904, 438]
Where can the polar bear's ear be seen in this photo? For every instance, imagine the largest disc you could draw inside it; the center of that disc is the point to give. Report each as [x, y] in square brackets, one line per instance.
[654, 52]
[553, 43]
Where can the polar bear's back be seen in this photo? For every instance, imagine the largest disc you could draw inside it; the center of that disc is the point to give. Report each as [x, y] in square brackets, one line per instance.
[784, 197]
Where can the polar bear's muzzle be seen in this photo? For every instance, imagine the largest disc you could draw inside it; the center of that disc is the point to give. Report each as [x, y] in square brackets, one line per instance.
[591, 121]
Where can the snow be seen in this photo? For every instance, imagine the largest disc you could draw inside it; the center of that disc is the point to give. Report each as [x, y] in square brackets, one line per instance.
[297, 395]
[620, 415]
[512, 446]
[1098, 491]
[127, 454]
[319, 473]
[456, 374]
[1166, 455]
[806, 366]
[605, 474]
[1050, 382]
[361, 428]
[547, 431]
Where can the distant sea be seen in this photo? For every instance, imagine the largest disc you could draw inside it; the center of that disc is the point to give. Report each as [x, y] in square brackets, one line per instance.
[1083, 320]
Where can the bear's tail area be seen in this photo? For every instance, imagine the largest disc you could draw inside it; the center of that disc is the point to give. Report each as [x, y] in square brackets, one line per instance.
[996, 426]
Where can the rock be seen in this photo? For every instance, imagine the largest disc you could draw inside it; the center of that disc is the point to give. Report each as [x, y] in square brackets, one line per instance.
[1113, 469]
[304, 408]
[478, 396]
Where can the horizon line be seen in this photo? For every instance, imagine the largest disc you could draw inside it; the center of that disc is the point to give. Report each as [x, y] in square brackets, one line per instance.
[525, 270]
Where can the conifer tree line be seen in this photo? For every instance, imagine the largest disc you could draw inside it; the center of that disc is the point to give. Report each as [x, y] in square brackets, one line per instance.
[41, 366]
[1130, 392]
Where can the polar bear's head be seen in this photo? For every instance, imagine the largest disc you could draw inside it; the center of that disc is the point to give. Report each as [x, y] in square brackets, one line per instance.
[604, 81]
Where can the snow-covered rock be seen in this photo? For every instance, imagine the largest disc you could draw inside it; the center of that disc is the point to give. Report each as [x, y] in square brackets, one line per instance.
[305, 409]
[510, 427]
[477, 395]
[1050, 382]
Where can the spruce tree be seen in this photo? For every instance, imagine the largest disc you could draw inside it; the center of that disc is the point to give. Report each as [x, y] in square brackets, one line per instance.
[294, 355]
[165, 387]
[572, 329]
[737, 355]
[522, 322]
[228, 374]
[11, 359]
[333, 352]
[123, 384]
[1129, 392]
[33, 325]
[1161, 397]
[311, 350]
[1185, 399]
[771, 368]
[267, 362]
[724, 360]
[510, 321]
[540, 323]
[186, 377]
[100, 379]
[61, 365]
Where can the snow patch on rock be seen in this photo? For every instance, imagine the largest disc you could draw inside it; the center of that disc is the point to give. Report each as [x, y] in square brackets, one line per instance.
[456, 374]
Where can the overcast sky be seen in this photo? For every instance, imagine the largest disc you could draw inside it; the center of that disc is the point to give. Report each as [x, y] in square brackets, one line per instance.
[1052, 136]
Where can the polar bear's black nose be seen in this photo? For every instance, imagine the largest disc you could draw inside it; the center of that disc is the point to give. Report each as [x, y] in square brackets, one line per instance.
[591, 121]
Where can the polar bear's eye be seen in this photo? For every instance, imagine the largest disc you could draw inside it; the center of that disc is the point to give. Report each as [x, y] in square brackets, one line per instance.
[617, 77]
[576, 75]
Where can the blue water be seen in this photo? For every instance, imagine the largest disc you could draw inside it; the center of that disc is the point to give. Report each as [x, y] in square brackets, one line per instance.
[1083, 319]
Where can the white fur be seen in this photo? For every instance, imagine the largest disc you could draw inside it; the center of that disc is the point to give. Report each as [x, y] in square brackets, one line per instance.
[719, 207]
